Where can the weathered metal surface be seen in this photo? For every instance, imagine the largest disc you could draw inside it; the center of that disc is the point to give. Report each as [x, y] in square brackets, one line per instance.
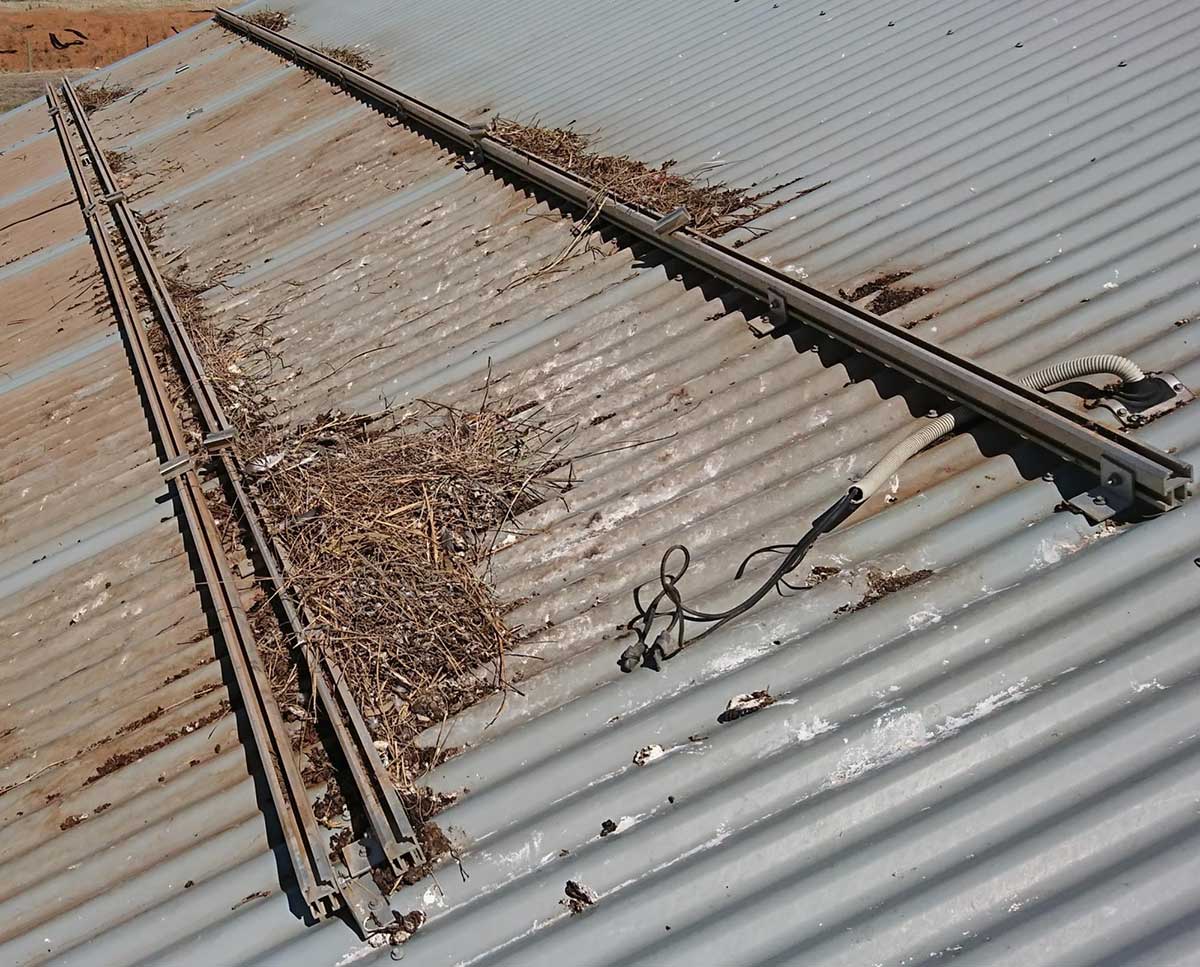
[106, 666]
[272, 744]
[1159, 481]
[392, 829]
[997, 762]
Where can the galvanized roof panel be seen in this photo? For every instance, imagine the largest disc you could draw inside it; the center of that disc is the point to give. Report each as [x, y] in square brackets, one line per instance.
[113, 708]
[997, 762]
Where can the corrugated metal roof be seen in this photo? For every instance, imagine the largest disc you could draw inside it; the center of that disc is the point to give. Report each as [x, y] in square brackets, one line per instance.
[997, 762]
[122, 773]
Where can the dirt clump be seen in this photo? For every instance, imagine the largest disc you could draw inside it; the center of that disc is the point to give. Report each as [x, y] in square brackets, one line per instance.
[577, 897]
[121, 759]
[821, 573]
[880, 585]
[888, 295]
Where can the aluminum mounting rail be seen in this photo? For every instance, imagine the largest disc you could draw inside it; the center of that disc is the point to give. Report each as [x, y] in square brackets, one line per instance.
[393, 832]
[310, 861]
[1160, 482]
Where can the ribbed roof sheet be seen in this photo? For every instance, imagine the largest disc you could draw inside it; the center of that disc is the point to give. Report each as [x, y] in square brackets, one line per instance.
[122, 775]
[999, 762]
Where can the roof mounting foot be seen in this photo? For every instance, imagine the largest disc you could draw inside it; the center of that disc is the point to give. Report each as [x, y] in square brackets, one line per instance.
[364, 900]
[1136, 404]
[170, 469]
[1112, 495]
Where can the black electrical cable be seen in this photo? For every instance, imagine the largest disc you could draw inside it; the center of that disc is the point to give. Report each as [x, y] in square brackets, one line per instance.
[652, 656]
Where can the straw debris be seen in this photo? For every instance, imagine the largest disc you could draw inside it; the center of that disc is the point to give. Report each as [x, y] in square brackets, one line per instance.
[119, 161]
[387, 536]
[268, 18]
[350, 56]
[93, 97]
[715, 208]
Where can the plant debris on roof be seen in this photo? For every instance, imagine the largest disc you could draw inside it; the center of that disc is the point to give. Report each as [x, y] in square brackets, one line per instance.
[268, 18]
[119, 161]
[92, 97]
[714, 208]
[350, 56]
[387, 535]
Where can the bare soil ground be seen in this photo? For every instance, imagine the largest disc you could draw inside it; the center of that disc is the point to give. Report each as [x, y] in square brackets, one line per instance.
[18, 89]
[54, 38]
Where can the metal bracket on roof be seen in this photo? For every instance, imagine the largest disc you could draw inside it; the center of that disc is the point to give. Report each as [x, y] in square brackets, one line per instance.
[776, 309]
[1112, 495]
[219, 438]
[170, 469]
[111, 199]
[364, 900]
[672, 222]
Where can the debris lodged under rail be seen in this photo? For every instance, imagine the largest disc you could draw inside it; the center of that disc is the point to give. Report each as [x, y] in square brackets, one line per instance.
[388, 527]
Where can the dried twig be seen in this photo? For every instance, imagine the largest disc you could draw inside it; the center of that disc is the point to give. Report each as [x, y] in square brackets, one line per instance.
[715, 208]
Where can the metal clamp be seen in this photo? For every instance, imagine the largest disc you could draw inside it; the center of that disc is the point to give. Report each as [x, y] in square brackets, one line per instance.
[673, 221]
[110, 199]
[364, 900]
[219, 438]
[171, 469]
[1112, 495]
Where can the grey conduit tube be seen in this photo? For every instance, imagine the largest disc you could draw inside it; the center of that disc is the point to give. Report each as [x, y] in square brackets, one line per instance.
[1124, 369]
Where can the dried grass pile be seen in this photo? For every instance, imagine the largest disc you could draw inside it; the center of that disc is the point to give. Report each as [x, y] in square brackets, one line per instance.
[387, 536]
[350, 56]
[92, 97]
[268, 18]
[715, 208]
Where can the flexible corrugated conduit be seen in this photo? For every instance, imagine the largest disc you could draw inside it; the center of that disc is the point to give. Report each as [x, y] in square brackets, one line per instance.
[1124, 369]
[679, 613]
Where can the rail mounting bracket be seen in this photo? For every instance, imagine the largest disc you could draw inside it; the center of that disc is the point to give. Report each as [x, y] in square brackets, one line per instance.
[1111, 495]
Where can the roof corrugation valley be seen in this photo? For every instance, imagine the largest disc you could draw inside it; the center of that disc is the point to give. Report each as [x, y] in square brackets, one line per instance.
[997, 762]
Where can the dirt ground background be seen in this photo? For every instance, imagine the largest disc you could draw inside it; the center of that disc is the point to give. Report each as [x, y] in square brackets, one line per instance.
[17, 89]
[37, 37]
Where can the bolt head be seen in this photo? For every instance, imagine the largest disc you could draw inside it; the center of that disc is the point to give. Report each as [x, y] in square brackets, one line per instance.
[1099, 499]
